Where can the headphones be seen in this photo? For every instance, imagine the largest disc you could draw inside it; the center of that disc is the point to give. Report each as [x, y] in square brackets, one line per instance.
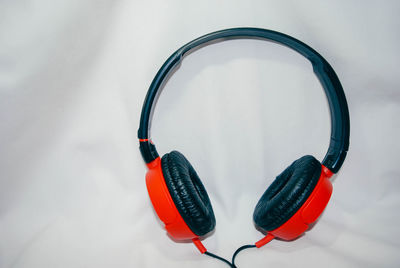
[295, 199]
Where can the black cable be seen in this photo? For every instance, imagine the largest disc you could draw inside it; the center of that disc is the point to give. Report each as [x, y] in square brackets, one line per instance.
[231, 264]
[219, 258]
[237, 252]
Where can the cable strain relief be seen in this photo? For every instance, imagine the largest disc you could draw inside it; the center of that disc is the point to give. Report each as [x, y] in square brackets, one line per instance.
[265, 240]
[199, 245]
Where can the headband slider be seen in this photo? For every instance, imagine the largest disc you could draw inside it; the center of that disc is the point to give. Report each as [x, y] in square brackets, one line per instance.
[148, 151]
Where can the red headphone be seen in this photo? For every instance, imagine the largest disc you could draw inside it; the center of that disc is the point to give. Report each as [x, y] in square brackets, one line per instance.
[291, 203]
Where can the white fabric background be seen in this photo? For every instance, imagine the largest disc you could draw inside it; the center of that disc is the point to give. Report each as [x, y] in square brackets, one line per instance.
[73, 76]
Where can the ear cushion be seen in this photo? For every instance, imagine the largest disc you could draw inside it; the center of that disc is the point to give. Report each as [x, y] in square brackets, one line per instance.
[188, 193]
[287, 193]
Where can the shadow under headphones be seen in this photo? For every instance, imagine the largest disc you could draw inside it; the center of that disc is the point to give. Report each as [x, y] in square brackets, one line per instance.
[291, 203]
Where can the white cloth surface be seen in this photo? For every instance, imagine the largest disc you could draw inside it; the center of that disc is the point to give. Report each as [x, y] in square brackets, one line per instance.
[73, 77]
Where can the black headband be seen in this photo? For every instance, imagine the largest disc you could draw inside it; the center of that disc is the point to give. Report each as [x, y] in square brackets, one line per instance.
[340, 122]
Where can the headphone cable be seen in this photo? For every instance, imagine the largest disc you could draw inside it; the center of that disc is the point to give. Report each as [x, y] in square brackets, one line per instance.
[219, 258]
[203, 250]
[237, 252]
[231, 264]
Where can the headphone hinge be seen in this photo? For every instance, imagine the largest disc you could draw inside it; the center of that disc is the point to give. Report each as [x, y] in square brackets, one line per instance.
[148, 151]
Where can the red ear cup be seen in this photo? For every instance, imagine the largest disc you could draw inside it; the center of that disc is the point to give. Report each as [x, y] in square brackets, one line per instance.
[294, 200]
[164, 205]
[309, 212]
[188, 193]
[177, 195]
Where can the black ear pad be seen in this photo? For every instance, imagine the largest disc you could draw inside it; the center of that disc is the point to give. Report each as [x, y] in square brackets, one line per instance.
[287, 193]
[188, 193]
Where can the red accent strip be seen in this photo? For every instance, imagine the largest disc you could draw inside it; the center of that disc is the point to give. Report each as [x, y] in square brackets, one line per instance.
[327, 171]
[199, 245]
[142, 140]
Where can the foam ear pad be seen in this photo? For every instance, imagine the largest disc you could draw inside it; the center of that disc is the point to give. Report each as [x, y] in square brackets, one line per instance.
[188, 193]
[287, 193]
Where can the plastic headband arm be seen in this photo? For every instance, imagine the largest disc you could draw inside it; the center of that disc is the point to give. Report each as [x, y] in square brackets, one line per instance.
[340, 122]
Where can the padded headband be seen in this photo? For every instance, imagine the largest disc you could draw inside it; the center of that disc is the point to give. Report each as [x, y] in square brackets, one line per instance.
[340, 122]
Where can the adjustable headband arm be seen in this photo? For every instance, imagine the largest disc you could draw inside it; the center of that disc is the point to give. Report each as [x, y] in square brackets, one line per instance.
[340, 122]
